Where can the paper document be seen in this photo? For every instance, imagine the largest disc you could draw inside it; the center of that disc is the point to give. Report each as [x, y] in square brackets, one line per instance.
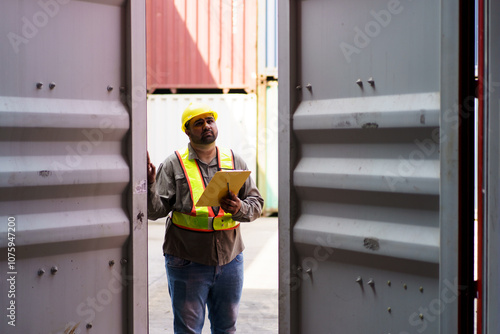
[221, 183]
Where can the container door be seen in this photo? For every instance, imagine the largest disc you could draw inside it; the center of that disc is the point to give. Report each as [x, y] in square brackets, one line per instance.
[489, 75]
[73, 231]
[369, 166]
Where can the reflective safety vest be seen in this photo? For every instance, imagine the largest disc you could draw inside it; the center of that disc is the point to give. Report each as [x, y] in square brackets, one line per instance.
[202, 218]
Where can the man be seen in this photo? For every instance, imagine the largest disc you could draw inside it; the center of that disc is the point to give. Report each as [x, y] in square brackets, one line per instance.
[203, 245]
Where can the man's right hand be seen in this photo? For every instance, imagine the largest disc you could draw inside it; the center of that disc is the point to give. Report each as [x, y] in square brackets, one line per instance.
[151, 171]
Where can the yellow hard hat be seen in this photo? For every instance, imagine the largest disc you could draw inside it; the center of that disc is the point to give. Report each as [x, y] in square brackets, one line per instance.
[195, 109]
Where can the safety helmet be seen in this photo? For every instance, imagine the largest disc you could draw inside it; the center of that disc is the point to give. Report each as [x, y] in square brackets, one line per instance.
[195, 109]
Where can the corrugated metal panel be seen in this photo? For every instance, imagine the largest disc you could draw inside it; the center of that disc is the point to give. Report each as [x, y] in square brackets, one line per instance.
[368, 170]
[267, 144]
[237, 124]
[70, 195]
[491, 237]
[202, 44]
[271, 199]
[268, 38]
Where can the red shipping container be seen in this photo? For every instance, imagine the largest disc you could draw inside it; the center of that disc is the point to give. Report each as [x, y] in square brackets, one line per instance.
[201, 44]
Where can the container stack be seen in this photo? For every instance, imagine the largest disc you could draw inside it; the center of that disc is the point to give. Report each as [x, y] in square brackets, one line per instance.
[267, 110]
[201, 45]
[210, 51]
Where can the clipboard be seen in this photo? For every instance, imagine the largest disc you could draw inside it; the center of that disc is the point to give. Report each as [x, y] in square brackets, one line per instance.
[217, 188]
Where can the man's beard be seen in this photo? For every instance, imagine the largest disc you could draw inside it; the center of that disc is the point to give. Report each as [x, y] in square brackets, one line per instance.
[208, 137]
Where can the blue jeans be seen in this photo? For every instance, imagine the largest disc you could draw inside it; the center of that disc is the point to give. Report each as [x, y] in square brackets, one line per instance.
[193, 286]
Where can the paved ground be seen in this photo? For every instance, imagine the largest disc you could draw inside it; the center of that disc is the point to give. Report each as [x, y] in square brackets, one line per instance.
[259, 304]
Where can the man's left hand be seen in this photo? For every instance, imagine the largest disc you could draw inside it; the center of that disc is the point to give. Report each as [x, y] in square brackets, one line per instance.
[230, 203]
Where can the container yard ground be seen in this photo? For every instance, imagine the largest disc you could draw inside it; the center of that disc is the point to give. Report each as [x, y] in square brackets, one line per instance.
[259, 303]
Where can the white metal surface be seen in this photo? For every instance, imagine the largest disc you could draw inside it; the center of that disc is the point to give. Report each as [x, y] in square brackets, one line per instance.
[72, 176]
[368, 129]
[237, 124]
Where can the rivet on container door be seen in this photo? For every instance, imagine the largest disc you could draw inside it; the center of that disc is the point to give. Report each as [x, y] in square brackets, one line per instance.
[371, 81]
[123, 261]
[371, 282]
[111, 263]
[109, 88]
[53, 270]
[299, 87]
[309, 87]
[52, 85]
[359, 279]
[40, 272]
[89, 325]
[359, 83]
[39, 85]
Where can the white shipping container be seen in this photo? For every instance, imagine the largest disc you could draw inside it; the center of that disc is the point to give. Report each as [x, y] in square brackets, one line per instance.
[237, 124]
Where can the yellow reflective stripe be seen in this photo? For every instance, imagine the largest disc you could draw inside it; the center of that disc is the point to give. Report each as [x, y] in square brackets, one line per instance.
[196, 181]
[193, 223]
[225, 223]
[226, 161]
[201, 223]
[225, 158]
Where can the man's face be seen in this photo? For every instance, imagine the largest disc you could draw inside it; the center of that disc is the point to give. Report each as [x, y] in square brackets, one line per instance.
[202, 129]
